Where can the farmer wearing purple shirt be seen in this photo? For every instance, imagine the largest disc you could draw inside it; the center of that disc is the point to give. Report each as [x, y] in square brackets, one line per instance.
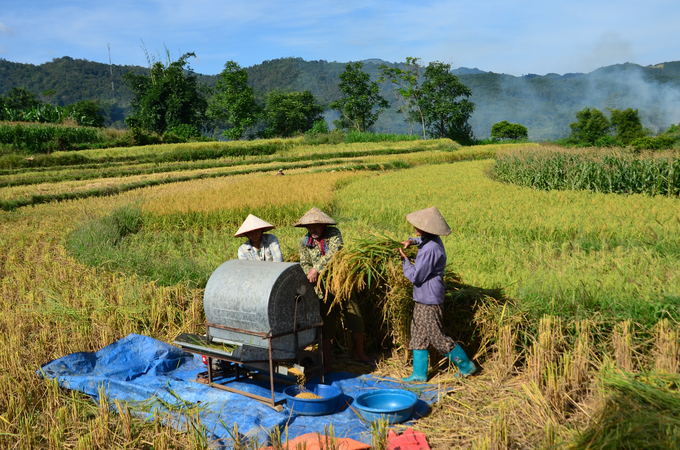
[427, 276]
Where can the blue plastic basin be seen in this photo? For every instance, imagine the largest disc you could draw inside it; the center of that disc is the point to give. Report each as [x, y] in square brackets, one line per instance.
[395, 405]
[327, 404]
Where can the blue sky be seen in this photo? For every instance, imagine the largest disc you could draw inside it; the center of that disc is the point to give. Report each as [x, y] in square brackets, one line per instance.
[511, 36]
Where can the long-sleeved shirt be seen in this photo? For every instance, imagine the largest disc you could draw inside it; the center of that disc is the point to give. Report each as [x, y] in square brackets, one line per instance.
[427, 273]
[312, 258]
[269, 250]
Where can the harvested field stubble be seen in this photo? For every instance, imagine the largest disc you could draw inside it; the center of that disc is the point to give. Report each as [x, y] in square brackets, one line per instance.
[51, 305]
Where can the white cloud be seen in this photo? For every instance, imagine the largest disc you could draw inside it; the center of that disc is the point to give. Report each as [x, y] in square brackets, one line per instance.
[8, 31]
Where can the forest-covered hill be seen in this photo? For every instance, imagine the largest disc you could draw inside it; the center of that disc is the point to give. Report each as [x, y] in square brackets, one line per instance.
[544, 104]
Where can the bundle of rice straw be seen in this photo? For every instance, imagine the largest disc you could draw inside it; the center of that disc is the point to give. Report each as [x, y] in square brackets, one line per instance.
[361, 264]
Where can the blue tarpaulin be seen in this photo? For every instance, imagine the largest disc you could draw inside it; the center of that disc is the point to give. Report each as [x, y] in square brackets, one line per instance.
[154, 377]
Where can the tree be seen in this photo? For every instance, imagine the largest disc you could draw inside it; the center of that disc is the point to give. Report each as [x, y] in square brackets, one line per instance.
[408, 89]
[591, 125]
[235, 101]
[627, 125]
[21, 99]
[445, 115]
[362, 104]
[86, 113]
[17, 102]
[509, 131]
[291, 113]
[169, 96]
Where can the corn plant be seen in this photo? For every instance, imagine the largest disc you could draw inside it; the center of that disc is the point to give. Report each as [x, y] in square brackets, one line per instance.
[591, 171]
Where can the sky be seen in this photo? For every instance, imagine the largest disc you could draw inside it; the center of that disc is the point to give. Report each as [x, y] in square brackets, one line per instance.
[516, 37]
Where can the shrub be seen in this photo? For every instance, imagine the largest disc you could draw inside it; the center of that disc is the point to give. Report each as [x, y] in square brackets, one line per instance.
[484, 141]
[505, 130]
[319, 127]
[653, 143]
[173, 138]
[607, 141]
[12, 161]
[141, 137]
[186, 131]
[333, 138]
[359, 136]
[85, 113]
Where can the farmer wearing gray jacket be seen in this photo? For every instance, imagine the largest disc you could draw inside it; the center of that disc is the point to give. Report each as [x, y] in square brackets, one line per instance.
[259, 246]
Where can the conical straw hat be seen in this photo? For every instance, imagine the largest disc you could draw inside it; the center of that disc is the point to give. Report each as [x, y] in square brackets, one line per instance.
[313, 216]
[429, 220]
[253, 223]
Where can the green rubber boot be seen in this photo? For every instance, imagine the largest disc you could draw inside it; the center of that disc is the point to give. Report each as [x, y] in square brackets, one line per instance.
[461, 360]
[419, 366]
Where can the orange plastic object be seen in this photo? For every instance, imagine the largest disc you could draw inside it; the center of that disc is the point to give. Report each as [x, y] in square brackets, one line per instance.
[315, 441]
[409, 440]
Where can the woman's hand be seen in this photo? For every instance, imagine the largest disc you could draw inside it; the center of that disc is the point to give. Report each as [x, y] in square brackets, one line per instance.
[406, 244]
[313, 275]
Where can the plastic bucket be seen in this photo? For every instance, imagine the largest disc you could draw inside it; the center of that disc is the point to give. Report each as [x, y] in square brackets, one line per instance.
[327, 404]
[395, 405]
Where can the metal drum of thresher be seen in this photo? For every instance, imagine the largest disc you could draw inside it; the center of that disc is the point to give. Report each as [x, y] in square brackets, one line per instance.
[250, 303]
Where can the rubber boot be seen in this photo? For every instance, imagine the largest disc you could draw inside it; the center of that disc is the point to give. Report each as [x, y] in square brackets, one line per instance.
[419, 366]
[461, 360]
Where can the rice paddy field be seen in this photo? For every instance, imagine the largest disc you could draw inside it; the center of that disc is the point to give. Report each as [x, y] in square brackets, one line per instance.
[568, 299]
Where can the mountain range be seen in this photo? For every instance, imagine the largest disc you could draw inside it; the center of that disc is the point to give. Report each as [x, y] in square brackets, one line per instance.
[545, 104]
